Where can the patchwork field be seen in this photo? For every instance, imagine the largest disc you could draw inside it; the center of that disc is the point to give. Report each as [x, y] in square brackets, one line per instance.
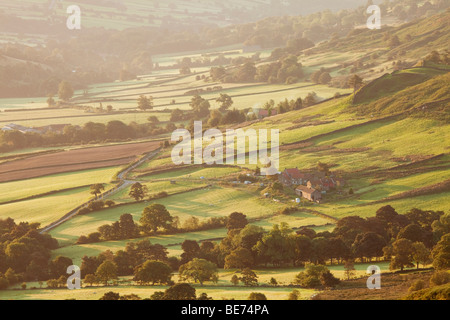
[73, 160]
[211, 202]
[17, 190]
[386, 137]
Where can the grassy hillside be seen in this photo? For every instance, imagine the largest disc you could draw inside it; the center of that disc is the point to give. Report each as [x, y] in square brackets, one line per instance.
[428, 98]
[417, 38]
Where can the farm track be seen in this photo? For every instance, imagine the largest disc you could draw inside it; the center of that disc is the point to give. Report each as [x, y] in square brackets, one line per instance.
[123, 184]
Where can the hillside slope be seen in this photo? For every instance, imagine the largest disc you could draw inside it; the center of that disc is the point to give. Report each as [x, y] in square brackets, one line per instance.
[412, 90]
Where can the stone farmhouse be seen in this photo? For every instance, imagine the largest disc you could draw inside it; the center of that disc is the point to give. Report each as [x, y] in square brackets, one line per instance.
[310, 185]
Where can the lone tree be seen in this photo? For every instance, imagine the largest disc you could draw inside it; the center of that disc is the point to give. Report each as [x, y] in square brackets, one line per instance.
[421, 254]
[97, 189]
[349, 269]
[199, 270]
[111, 296]
[325, 78]
[249, 277]
[65, 91]
[153, 272]
[138, 191]
[234, 280]
[145, 103]
[107, 271]
[155, 217]
[180, 291]
[200, 106]
[402, 249]
[236, 220]
[441, 253]
[257, 296]
[355, 82]
[50, 101]
[225, 102]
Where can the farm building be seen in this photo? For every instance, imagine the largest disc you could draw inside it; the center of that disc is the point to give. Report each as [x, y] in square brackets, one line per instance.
[318, 180]
[16, 127]
[308, 193]
[293, 177]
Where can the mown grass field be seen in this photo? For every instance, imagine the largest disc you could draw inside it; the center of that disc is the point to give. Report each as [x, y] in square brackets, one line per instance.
[211, 202]
[95, 293]
[25, 188]
[46, 209]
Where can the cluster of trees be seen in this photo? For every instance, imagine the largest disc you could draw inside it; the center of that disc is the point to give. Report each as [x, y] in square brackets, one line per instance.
[179, 291]
[91, 132]
[155, 218]
[439, 57]
[315, 276]
[201, 109]
[186, 63]
[321, 77]
[148, 263]
[285, 70]
[25, 254]
[418, 237]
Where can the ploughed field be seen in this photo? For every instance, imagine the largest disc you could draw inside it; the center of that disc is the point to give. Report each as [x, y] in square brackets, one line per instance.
[73, 160]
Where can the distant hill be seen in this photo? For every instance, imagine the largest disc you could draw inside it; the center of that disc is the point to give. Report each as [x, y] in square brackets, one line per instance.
[182, 14]
[416, 38]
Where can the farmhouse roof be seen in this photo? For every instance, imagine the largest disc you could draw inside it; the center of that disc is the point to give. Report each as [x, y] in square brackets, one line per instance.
[17, 127]
[305, 189]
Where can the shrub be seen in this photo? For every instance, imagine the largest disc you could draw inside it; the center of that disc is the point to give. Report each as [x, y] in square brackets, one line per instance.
[312, 276]
[53, 284]
[329, 280]
[257, 296]
[435, 293]
[83, 211]
[110, 203]
[417, 285]
[294, 295]
[159, 195]
[440, 278]
[288, 210]
[96, 205]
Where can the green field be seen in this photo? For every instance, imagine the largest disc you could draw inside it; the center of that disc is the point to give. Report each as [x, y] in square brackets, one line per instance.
[386, 140]
[211, 202]
[25, 188]
[222, 290]
[46, 209]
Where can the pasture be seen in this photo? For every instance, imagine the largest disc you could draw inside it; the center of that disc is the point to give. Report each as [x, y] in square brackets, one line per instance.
[211, 202]
[223, 289]
[17, 190]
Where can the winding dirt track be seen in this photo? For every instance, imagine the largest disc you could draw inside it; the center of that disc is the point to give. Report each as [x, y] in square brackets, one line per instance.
[73, 160]
[122, 184]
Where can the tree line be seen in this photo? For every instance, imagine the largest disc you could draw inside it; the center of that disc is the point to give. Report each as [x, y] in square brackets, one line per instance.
[90, 132]
[412, 239]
